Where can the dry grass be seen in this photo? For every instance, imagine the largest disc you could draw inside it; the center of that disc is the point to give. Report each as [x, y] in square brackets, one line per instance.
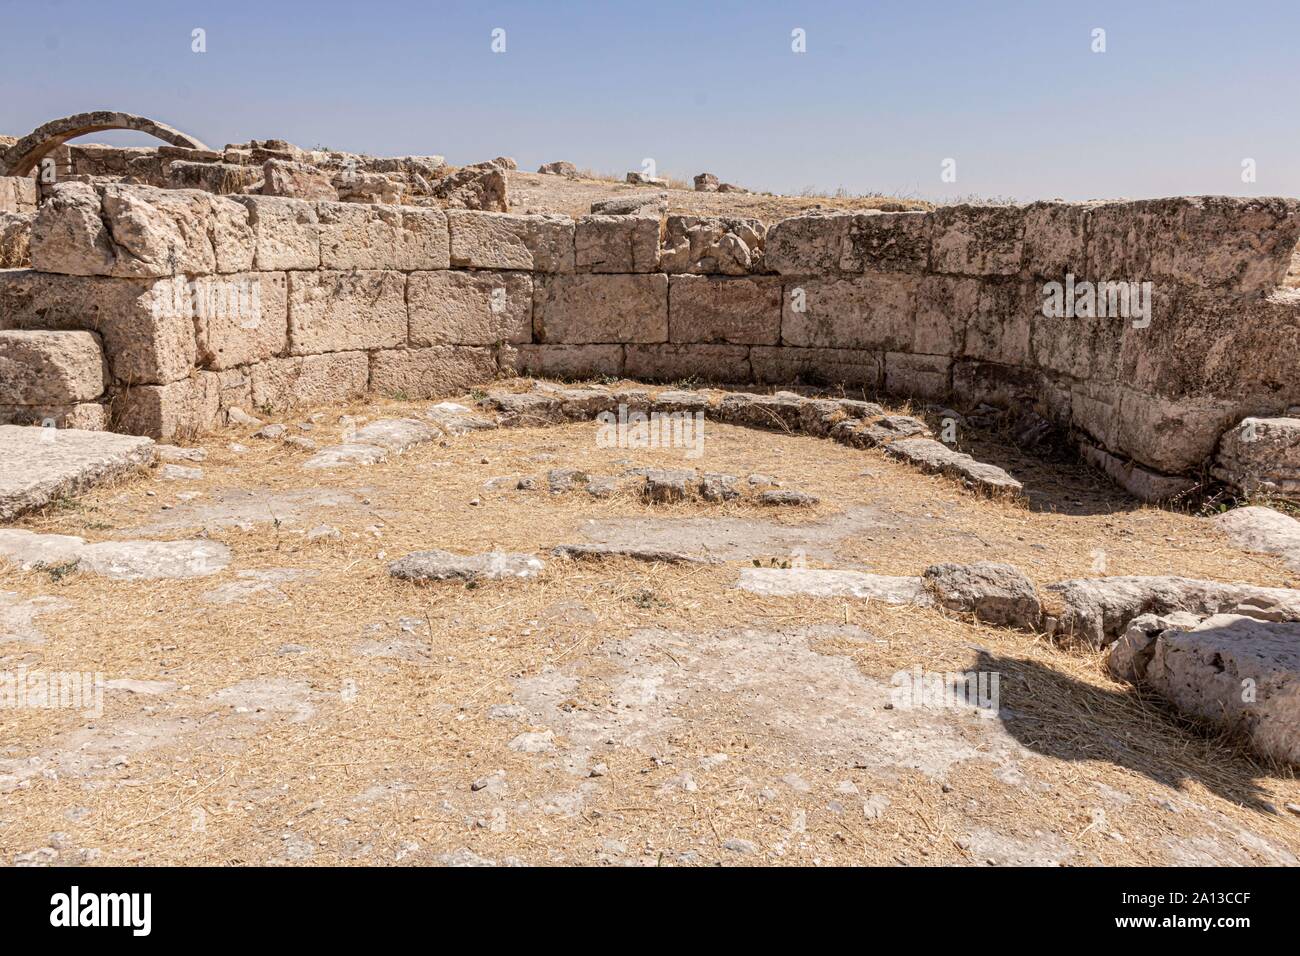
[420, 727]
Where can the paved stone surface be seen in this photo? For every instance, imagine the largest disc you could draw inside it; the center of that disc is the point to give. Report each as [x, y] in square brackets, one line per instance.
[125, 560]
[599, 552]
[816, 582]
[44, 464]
[445, 566]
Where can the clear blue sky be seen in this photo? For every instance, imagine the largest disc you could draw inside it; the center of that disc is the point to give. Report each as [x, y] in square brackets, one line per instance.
[1010, 89]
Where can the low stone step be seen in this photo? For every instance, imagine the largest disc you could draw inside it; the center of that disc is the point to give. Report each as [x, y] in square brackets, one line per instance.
[44, 464]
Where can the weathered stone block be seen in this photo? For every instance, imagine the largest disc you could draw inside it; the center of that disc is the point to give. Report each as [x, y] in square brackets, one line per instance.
[1243, 245]
[1055, 239]
[886, 241]
[146, 325]
[617, 243]
[470, 308]
[736, 311]
[494, 240]
[17, 194]
[868, 312]
[87, 416]
[16, 241]
[581, 309]
[707, 363]
[782, 365]
[918, 376]
[131, 231]
[1261, 455]
[282, 177]
[1170, 435]
[302, 381]
[239, 319]
[341, 311]
[50, 368]
[811, 244]
[431, 372]
[286, 232]
[222, 179]
[173, 411]
[568, 361]
[999, 327]
[977, 240]
[362, 236]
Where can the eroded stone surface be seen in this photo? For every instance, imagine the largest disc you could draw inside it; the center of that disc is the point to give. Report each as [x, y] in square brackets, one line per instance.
[45, 464]
[125, 560]
[816, 582]
[445, 566]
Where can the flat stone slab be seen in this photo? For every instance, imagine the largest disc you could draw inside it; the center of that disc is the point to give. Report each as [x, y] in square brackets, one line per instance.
[1264, 530]
[345, 456]
[445, 566]
[18, 616]
[599, 552]
[935, 457]
[42, 465]
[817, 582]
[122, 560]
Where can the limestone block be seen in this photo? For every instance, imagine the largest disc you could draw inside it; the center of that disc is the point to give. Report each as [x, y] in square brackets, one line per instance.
[221, 178]
[470, 308]
[495, 240]
[431, 372]
[146, 325]
[1055, 239]
[286, 232]
[811, 244]
[866, 312]
[362, 236]
[1170, 435]
[707, 363]
[713, 245]
[918, 376]
[50, 368]
[341, 311]
[617, 243]
[782, 365]
[977, 240]
[240, 318]
[303, 381]
[581, 309]
[568, 361]
[17, 194]
[1261, 455]
[177, 410]
[886, 241]
[282, 177]
[87, 416]
[736, 311]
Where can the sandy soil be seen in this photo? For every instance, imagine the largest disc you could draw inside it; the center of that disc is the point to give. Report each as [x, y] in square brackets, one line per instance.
[302, 706]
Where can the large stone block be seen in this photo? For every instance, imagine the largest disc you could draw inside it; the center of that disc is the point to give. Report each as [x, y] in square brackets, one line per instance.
[917, 376]
[304, 381]
[617, 243]
[783, 365]
[239, 319]
[129, 231]
[811, 244]
[341, 311]
[431, 372]
[362, 236]
[43, 468]
[999, 328]
[87, 416]
[1007, 386]
[17, 194]
[470, 308]
[1055, 239]
[146, 324]
[977, 240]
[50, 368]
[867, 312]
[496, 240]
[736, 311]
[1241, 245]
[671, 363]
[886, 241]
[223, 179]
[286, 232]
[1171, 435]
[1261, 455]
[15, 241]
[567, 361]
[174, 411]
[582, 309]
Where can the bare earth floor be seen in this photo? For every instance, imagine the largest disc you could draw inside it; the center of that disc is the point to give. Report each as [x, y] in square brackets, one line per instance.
[300, 705]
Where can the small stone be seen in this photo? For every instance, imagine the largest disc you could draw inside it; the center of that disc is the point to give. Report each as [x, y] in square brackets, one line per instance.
[788, 498]
[180, 473]
[237, 416]
[270, 431]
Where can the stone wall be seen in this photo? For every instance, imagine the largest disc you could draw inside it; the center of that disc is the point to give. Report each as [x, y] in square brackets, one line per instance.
[204, 303]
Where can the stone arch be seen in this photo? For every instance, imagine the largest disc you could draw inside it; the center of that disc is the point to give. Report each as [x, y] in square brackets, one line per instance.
[22, 157]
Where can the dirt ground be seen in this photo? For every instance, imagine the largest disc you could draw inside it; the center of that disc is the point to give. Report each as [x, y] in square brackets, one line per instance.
[535, 193]
[301, 706]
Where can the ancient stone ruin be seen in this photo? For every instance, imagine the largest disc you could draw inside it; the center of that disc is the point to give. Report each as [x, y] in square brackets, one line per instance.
[155, 300]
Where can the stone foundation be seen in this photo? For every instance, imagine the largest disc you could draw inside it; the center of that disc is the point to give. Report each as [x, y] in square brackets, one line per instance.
[206, 302]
